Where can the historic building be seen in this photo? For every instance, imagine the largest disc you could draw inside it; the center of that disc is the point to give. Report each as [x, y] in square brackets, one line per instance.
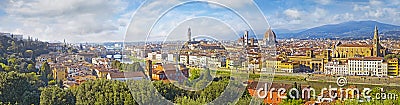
[367, 66]
[258, 49]
[270, 37]
[335, 68]
[340, 52]
[169, 72]
[393, 67]
[360, 49]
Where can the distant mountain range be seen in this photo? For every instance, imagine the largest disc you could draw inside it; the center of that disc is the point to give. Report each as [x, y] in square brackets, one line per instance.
[345, 30]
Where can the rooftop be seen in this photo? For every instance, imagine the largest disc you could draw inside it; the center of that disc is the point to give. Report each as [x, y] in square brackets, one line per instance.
[367, 58]
[126, 74]
[355, 45]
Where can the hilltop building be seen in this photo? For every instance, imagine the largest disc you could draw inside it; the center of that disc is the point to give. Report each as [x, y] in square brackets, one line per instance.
[13, 36]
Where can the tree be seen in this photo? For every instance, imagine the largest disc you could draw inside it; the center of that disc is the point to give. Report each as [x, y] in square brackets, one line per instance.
[52, 82]
[195, 73]
[293, 102]
[245, 99]
[1, 47]
[56, 96]
[23, 67]
[30, 53]
[45, 72]
[8, 69]
[1, 68]
[13, 47]
[116, 64]
[22, 47]
[103, 91]
[31, 68]
[129, 67]
[390, 56]
[12, 61]
[19, 88]
[18, 68]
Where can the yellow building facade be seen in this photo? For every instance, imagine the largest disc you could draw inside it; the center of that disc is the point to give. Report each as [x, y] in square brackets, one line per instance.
[351, 51]
[282, 66]
[315, 63]
[60, 73]
[393, 67]
[289, 67]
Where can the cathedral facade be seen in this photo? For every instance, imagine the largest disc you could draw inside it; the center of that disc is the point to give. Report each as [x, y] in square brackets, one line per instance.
[360, 50]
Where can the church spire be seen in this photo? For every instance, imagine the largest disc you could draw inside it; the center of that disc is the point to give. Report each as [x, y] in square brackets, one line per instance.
[376, 33]
[189, 34]
[376, 42]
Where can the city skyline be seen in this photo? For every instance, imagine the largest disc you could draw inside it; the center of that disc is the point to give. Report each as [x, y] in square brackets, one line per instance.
[192, 52]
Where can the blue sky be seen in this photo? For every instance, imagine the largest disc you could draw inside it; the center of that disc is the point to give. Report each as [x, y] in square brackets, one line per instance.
[108, 20]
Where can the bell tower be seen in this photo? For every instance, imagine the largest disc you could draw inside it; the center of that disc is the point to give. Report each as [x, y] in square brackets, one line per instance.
[246, 38]
[189, 33]
[377, 46]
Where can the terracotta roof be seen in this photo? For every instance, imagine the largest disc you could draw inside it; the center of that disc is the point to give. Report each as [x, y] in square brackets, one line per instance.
[354, 45]
[126, 74]
[367, 58]
[393, 59]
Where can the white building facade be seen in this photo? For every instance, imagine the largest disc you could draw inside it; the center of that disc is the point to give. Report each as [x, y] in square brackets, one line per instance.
[367, 66]
[334, 68]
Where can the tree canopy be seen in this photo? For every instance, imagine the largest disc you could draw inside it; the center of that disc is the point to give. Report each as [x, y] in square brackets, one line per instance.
[56, 96]
[19, 88]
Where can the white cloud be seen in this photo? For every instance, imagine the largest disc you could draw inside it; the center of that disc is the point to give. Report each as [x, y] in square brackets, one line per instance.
[293, 19]
[232, 4]
[144, 17]
[323, 2]
[375, 2]
[149, 13]
[341, 18]
[293, 13]
[374, 13]
[392, 12]
[383, 10]
[361, 8]
[383, 13]
[319, 13]
[65, 19]
[394, 2]
[46, 8]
